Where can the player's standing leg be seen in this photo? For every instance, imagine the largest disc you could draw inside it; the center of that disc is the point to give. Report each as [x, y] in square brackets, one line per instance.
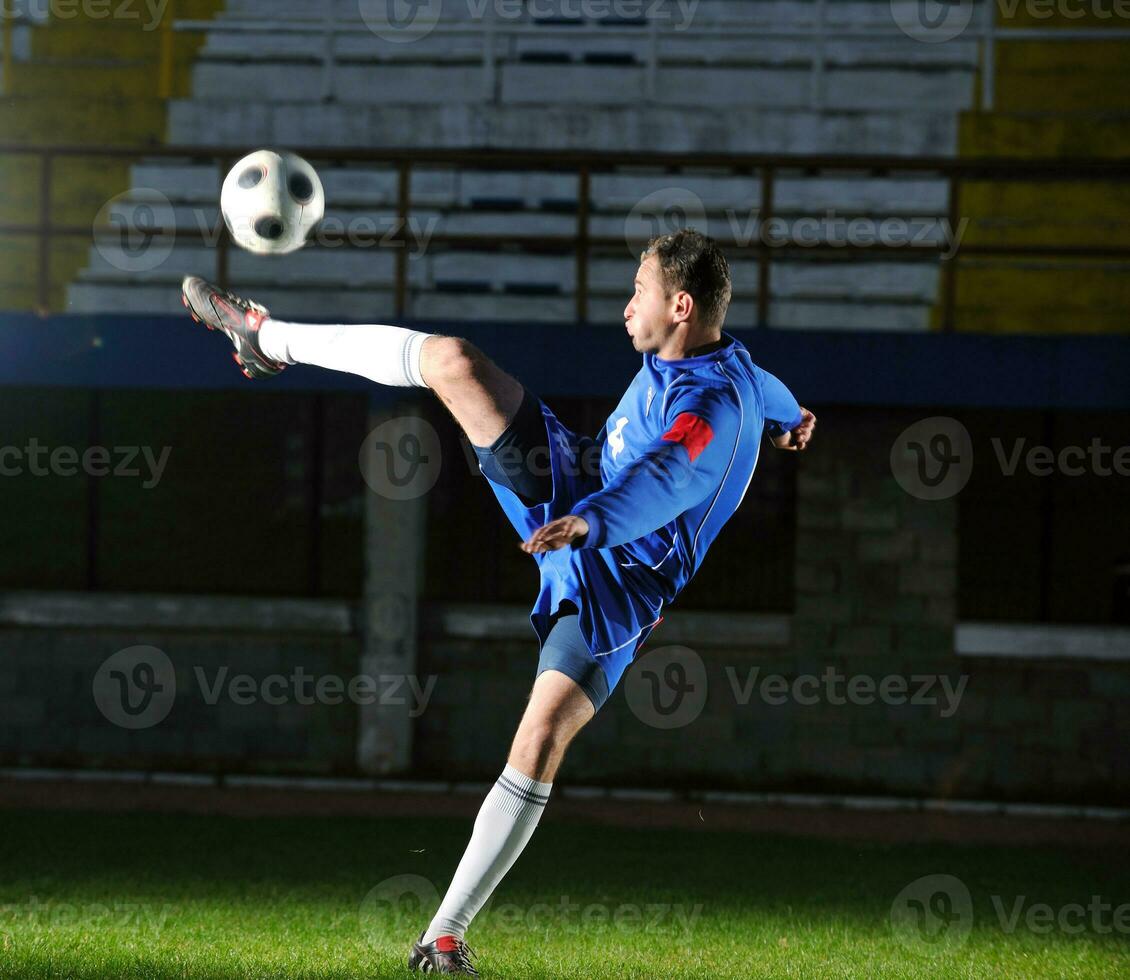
[558, 709]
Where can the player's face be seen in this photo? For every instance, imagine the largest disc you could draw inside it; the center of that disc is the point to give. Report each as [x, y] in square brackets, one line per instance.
[649, 315]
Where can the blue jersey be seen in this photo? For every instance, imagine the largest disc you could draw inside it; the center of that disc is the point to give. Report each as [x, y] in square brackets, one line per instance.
[676, 458]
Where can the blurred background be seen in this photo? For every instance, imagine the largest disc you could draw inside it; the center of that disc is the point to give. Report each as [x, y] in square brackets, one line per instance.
[926, 208]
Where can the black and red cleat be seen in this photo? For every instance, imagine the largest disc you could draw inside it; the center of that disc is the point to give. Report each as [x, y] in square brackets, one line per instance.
[238, 318]
[448, 954]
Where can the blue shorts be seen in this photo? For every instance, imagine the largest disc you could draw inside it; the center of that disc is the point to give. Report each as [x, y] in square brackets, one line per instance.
[565, 650]
[522, 462]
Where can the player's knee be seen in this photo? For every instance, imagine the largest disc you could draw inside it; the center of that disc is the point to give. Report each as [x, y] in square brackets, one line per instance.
[452, 360]
[540, 742]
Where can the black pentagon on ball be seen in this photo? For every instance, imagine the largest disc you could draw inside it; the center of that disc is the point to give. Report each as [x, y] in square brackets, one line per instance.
[251, 177]
[269, 227]
[301, 188]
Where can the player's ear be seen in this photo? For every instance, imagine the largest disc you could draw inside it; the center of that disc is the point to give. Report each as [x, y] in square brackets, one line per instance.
[684, 305]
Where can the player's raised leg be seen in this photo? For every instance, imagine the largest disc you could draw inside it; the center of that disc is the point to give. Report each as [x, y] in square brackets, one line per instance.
[557, 710]
[481, 396]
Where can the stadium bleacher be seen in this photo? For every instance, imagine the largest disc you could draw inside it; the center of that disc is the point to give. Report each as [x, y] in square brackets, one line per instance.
[559, 85]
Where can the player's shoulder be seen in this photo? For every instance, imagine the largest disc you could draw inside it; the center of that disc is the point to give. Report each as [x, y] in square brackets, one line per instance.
[704, 390]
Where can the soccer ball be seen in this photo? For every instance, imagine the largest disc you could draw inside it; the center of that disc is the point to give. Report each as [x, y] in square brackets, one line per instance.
[271, 201]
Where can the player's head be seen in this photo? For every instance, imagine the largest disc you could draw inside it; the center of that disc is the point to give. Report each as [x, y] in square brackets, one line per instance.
[683, 284]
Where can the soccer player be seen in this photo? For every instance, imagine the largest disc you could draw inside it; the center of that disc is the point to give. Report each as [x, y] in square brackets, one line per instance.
[617, 525]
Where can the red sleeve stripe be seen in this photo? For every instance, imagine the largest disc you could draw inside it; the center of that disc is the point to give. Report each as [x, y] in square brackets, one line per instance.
[693, 432]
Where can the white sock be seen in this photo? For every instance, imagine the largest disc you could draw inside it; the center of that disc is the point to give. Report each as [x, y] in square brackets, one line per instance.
[505, 823]
[387, 355]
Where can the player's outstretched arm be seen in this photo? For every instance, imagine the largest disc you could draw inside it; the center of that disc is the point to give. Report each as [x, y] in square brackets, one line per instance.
[798, 437]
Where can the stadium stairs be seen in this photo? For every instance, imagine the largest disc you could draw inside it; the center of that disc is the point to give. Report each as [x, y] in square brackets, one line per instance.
[1065, 99]
[550, 91]
[89, 81]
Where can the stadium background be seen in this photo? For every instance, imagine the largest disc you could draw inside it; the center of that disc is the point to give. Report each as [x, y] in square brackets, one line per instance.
[270, 540]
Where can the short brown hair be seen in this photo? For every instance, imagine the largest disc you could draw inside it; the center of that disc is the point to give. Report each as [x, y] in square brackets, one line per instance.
[691, 261]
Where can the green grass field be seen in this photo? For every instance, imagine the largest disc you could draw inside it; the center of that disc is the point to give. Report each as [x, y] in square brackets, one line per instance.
[154, 896]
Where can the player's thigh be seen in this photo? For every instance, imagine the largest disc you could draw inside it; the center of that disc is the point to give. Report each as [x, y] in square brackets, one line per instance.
[557, 710]
[481, 397]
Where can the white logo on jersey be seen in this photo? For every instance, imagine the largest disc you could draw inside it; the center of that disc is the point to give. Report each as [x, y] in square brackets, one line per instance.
[616, 438]
[650, 396]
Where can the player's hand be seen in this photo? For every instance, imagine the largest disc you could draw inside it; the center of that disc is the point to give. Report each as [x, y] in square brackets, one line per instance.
[797, 439]
[556, 534]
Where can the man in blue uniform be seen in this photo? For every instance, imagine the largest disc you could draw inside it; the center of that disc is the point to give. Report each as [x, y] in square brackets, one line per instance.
[614, 544]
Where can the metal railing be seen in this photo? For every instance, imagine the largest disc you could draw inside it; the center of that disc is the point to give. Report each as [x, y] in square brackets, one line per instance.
[582, 244]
